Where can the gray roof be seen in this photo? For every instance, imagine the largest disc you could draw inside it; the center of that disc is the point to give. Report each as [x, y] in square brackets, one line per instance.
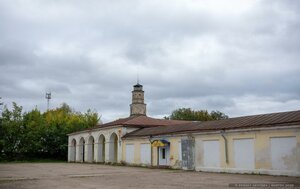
[245, 122]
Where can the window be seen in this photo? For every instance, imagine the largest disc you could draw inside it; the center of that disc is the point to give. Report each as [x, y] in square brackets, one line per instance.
[164, 153]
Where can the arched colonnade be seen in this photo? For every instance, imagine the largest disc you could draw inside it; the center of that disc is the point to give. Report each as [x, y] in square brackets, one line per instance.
[102, 148]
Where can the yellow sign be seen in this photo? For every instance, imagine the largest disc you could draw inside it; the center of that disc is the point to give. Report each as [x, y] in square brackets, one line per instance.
[158, 143]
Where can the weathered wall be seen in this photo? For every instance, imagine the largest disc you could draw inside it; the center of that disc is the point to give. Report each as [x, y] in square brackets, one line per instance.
[137, 149]
[261, 152]
[137, 142]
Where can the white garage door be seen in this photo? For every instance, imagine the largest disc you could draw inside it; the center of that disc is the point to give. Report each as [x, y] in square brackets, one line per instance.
[244, 153]
[129, 153]
[283, 153]
[145, 153]
[211, 153]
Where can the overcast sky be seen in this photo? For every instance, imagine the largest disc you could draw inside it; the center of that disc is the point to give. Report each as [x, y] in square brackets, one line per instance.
[238, 57]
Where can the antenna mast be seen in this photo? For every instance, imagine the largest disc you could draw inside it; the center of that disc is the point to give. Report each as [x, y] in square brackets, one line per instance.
[48, 97]
[1, 103]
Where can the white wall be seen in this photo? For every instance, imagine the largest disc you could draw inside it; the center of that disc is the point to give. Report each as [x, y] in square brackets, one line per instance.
[129, 153]
[211, 151]
[145, 153]
[243, 150]
[283, 153]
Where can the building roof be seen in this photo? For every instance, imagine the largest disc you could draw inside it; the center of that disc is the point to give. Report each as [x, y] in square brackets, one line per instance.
[142, 121]
[245, 122]
[139, 121]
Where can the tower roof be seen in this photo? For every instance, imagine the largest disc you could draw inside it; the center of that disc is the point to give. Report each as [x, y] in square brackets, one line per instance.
[137, 85]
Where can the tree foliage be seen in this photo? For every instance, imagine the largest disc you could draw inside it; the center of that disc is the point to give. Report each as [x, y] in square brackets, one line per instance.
[196, 115]
[36, 135]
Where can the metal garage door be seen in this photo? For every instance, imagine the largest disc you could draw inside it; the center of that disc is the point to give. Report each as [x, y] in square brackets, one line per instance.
[211, 151]
[244, 153]
[129, 153]
[179, 152]
[145, 153]
[283, 153]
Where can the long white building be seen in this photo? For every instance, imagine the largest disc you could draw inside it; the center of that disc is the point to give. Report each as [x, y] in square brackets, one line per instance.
[265, 144]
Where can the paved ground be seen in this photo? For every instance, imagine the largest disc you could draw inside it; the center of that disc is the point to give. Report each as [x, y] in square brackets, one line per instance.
[92, 176]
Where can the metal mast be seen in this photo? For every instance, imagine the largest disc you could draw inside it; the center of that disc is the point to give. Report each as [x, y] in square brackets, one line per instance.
[48, 97]
[1, 103]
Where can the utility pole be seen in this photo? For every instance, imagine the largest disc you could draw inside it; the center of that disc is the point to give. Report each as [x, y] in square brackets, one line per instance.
[48, 97]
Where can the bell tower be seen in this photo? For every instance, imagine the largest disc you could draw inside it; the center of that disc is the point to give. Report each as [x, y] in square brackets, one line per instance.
[137, 107]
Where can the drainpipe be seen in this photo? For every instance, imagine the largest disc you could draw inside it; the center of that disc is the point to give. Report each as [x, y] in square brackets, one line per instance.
[226, 149]
[150, 150]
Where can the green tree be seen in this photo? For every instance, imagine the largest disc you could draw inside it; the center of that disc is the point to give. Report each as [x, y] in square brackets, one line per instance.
[36, 135]
[12, 131]
[33, 122]
[58, 123]
[196, 115]
[217, 115]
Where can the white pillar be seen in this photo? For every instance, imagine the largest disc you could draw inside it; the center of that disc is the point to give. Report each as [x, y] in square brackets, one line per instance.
[96, 152]
[119, 151]
[107, 152]
[86, 154]
[78, 153]
[89, 153]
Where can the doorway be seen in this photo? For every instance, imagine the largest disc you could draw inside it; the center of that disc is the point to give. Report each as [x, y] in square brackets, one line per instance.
[164, 155]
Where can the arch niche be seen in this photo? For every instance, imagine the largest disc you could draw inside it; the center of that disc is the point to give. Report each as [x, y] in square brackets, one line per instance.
[113, 148]
[81, 149]
[101, 148]
[73, 150]
[90, 149]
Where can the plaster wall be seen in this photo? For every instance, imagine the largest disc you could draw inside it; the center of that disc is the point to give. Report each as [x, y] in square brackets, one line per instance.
[137, 149]
[129, 153]
[262, 153]
[137, 142]
[145, 153]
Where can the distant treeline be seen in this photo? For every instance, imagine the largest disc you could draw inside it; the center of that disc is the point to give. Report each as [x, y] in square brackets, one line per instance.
[36, 135]
[196, 115]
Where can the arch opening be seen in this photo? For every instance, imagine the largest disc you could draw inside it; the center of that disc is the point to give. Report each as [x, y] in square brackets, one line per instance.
[101, 148]
[113, 148]
[81, 150]
[73, 151]
[90, 149]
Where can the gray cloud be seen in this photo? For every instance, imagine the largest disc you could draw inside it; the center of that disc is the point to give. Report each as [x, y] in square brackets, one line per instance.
[239, 58]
